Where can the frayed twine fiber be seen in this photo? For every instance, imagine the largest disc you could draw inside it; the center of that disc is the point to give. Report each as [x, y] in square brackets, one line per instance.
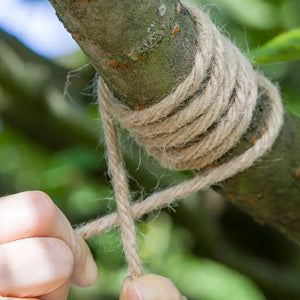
[198, 123]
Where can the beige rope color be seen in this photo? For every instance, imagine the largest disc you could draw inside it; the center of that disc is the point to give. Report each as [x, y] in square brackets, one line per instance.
[198, 123]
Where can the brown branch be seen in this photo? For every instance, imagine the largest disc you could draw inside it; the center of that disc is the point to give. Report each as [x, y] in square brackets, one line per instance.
[134, 47]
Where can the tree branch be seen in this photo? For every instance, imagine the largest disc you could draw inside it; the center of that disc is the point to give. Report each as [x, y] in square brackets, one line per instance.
[133, 47]
[132, 42]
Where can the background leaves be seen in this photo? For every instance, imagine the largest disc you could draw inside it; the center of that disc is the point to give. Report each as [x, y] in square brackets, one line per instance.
[284, 47]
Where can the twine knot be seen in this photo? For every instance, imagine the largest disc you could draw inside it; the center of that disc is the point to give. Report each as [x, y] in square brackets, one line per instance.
[205, 117]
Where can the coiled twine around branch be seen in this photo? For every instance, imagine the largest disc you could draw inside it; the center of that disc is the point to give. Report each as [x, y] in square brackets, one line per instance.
[205, 117]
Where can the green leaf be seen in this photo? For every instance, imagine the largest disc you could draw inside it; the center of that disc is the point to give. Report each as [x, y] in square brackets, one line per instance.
[284, 47]
[206, 279]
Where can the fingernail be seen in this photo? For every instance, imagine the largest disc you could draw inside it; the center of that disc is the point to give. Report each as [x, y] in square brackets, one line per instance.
[126, 283]
[152, 287]
[184, 298]
[132, 294]
[91, 270]
[143, 291]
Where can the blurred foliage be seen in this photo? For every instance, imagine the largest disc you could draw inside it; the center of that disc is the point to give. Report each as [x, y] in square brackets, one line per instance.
[284, 47]
[50, 143]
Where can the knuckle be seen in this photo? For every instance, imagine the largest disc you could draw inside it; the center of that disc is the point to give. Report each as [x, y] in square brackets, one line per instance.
[42, 211]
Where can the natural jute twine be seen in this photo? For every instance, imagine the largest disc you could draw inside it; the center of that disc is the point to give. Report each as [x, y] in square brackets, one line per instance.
[198, 123]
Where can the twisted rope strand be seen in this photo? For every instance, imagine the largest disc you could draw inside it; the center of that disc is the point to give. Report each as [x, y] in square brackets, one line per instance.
[122, 195]
[223, 91]
[218, 174]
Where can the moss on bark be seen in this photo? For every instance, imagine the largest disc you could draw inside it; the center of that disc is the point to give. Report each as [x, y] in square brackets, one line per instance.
[133, 42]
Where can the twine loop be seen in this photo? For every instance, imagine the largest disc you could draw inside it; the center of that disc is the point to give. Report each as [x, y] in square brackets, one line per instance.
[205, 117]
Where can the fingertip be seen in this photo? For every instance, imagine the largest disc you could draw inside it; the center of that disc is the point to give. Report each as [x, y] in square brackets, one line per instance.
[88, 277]
[86, 272]
[150, 287]
[91, 270]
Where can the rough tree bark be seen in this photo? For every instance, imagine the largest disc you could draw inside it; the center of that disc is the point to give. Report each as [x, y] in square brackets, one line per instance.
[132, 45]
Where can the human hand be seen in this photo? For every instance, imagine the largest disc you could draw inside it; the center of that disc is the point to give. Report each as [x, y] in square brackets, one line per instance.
[40, 253]
[150, 287]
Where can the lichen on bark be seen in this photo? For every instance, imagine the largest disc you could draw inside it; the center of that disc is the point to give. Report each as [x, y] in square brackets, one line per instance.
[132, 41]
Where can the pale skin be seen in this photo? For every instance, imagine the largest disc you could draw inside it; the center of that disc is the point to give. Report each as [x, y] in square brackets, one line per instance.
[41, 254]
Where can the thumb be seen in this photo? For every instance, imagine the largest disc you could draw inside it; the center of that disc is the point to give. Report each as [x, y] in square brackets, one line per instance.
[150, 287]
